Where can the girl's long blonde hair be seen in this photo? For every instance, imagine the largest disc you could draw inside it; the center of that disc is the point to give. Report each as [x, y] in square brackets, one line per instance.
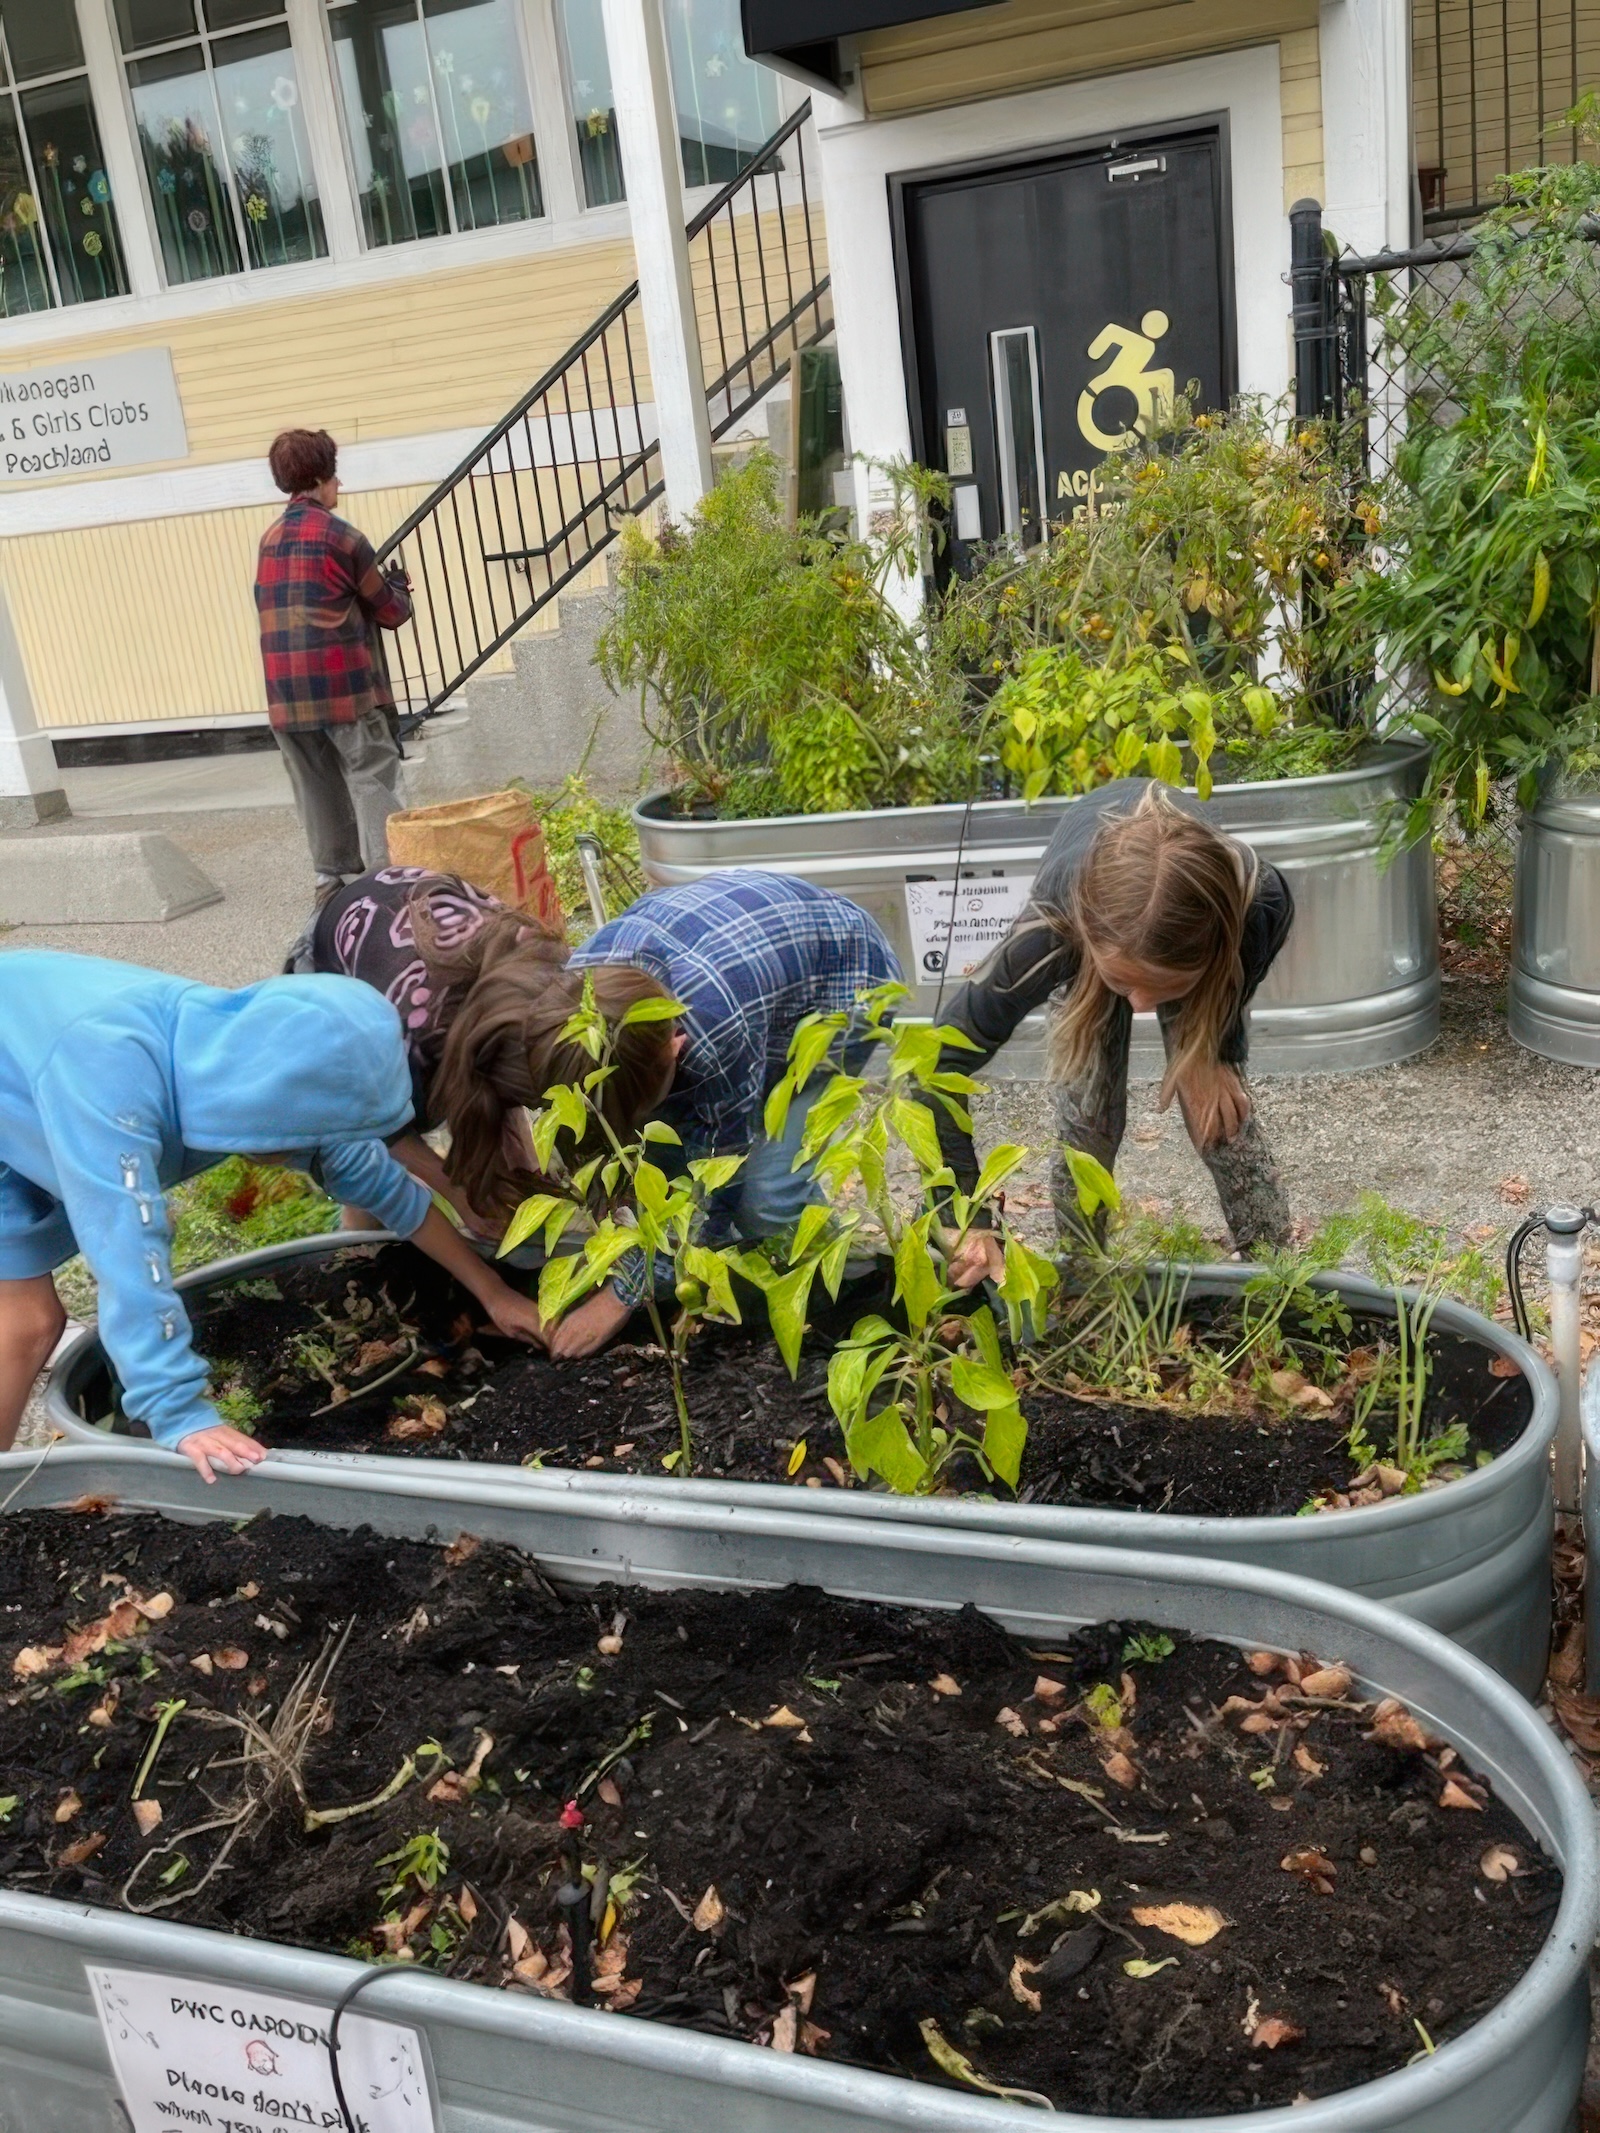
[1162, 888]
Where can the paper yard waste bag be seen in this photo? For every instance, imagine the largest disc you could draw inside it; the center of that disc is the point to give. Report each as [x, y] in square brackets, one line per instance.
[494, 841]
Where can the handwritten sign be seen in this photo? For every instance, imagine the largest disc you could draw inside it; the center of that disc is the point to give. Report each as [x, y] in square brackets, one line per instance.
[90, 415]
[955, 925]
[188, 2053]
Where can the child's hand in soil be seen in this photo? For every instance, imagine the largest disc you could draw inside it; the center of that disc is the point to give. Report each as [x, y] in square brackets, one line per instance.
[222, 1447]
[517, 1317]
[582, 1331]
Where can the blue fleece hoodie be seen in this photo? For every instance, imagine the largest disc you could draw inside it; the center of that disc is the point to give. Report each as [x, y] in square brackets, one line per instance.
[116, 1082]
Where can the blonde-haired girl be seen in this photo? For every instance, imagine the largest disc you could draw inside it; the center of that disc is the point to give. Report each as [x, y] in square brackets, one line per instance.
[1138, 905]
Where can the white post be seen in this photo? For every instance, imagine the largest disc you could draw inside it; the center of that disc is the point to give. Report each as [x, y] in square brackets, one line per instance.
[341, 214]
[30, 783]
[119, 146]
[1564, 1227]
[647, 123]
[1366, 123]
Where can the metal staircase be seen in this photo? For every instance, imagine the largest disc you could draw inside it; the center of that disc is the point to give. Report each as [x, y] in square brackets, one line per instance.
[539, 499]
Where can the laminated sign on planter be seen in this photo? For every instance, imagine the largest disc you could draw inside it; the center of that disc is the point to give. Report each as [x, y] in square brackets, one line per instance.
[189, 2053]
[956, 925]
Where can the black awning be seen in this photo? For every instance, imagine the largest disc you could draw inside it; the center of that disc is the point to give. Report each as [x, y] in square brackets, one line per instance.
[801, 36]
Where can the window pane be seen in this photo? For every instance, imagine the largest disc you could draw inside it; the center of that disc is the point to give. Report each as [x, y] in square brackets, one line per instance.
[234, 14]
[258, 92]
[389, 120]
[41, 36]
[593, 111]
[177, 123]
[75, 193]
[484, 111]
[147, 22]
[24, 278]
[727, 106]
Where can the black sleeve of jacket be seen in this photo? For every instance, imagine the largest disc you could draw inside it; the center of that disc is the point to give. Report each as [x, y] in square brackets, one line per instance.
[1027, 967]
[1266, 928]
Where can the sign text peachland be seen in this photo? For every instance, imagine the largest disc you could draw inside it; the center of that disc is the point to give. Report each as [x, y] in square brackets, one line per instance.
[78, 417]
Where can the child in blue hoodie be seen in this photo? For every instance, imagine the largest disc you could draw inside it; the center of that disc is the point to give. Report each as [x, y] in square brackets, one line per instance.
[115, 1082]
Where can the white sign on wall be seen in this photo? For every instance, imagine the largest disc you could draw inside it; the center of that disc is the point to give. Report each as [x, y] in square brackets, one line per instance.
[187, 2053]
[955, 925]
[103, 412]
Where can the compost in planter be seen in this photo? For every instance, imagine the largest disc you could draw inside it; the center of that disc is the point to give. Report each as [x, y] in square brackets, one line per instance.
[471, 1395]
[1139, 1876]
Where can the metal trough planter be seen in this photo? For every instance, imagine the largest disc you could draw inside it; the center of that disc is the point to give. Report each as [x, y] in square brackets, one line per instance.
[1471, 1560]
[511, 2065]
[1554, 1006]
[1357, 984]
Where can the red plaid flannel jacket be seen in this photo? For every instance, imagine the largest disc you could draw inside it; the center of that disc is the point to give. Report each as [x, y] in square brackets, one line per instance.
[319, 592]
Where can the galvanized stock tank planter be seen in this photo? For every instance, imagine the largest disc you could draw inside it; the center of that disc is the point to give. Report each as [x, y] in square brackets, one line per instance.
[513, 2065]
[1471, 1560]
[1357, 984]
[1555, 966]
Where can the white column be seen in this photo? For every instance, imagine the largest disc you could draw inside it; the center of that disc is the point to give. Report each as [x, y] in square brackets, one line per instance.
[341, 217]
[647, 120]
[1366, 123]
[559, 180]
[30, 783]
[120, 147]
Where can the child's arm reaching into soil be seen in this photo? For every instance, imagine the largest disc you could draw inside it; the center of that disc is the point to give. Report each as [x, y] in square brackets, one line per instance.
[515, 1316]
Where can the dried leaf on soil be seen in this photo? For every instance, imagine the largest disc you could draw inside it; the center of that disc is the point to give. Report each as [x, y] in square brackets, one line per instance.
[1315, 1867]
[416, 1418]
[1074, 1902]
[147, 1813]
[1273, 2030]
[230, 1659]
[945, 1685]
[1015, 1726]
[949, 2061]
[607, 1789]
[1120, 1770]
[1455, 1795]
[1306, 1761]
[462, 1549]
[1498, 1863]
[709, 1912]
[1047, 1690]
[1514, 1191]
[1330, 1681]
[1394, 1725]
[1142, 1967]
[1193, 1923]
[1021, 1991]
[518, 1941]
[1580, 1718]
[68, 1807]
[85, 1848]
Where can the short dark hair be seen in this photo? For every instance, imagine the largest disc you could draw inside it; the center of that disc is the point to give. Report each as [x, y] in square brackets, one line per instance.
[302, 459]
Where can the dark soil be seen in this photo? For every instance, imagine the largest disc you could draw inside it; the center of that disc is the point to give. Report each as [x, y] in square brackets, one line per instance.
[614, 1413]
[871, 1869]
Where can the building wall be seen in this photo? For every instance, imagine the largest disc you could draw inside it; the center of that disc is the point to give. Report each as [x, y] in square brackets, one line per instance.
[1027, 43]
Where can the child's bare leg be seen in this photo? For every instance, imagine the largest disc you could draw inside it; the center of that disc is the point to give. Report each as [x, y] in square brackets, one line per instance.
[31, 1322]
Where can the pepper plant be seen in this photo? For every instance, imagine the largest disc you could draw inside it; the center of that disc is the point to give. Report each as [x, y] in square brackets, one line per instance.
[636, 1204]
[895, 1388]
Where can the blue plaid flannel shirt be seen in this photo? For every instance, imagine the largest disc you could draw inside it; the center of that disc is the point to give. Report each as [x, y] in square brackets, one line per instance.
[749, 954]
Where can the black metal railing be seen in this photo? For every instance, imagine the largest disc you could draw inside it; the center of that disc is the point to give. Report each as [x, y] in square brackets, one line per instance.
[1492, 81]
[533, 505]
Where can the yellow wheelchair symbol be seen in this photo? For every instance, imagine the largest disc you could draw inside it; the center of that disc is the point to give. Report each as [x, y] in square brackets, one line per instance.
[1129, 368]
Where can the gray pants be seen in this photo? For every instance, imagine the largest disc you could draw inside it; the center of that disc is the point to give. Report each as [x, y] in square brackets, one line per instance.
[346, 783]
[1092, 1114]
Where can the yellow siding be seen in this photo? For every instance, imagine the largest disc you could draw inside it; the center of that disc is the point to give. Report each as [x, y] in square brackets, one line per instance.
[1503, 71]
[440, 351]
[1300, 81]
[1026, 44]
[156, 620]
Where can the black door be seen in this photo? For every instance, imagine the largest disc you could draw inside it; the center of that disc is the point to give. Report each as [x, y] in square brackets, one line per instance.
[1051, 307]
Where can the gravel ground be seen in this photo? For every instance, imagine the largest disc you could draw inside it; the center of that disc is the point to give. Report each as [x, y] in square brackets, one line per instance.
[1469, 1133]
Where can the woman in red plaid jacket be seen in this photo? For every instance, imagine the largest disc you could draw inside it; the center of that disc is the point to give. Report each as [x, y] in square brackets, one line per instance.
[320, 595]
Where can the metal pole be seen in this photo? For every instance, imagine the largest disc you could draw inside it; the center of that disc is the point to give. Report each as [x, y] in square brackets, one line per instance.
[1564, 1265]
[1312, 313]
[590, 853]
